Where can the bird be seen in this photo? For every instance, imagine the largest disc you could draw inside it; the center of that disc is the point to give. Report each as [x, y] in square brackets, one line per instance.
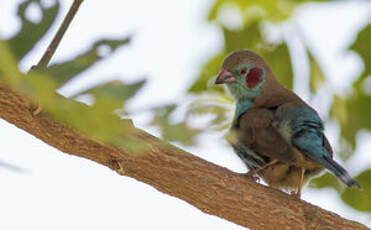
[276, 134]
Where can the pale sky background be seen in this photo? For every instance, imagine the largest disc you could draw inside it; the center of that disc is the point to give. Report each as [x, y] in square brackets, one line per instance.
[172, 39]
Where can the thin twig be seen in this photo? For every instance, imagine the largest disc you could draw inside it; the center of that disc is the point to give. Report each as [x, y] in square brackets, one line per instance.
[45, 59]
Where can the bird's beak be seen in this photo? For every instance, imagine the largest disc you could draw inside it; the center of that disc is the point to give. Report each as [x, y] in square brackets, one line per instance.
[225, 77]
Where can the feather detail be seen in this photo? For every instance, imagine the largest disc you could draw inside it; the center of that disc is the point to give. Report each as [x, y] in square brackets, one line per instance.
[339, 172]
[307, 135]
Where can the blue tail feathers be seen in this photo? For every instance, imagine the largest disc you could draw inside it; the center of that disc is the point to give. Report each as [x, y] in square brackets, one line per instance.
[339, 172]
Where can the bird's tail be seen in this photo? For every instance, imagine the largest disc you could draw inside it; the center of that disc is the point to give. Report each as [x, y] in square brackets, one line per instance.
[340, 172]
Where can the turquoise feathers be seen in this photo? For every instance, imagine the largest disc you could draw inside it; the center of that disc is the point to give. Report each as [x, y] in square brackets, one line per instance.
[307, 135]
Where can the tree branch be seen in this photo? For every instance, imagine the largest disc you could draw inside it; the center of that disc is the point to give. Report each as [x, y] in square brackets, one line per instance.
[213, 189]
[45, 59]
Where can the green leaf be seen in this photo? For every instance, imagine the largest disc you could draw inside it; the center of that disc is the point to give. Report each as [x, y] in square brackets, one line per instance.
[180, 132]
[316, 76]
[31, 32]
[219, 106]
[326, 180]
[208, 73]
[303, 1]
[352, 114]
[247, 38]
[9, 73]
[280, 61]
[63, 72]
[271, 10]
[113, 95]
[363, 48]
[360, 199]
[92, 121]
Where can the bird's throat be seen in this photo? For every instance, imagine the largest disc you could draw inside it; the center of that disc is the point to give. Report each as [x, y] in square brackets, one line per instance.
[241, 107]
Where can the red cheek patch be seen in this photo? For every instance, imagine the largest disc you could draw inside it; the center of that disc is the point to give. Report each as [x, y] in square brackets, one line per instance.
[253, 77]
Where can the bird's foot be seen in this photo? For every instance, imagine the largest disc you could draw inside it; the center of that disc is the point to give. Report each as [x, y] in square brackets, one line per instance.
[253, 177]
[36, 111]
[296, 194]
[256, 179]
[120, 169]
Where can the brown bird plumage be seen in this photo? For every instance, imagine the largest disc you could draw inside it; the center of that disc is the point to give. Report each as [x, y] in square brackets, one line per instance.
[256, 129]
[263, 129]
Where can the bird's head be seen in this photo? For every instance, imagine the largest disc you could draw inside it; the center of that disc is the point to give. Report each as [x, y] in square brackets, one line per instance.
[244, 73]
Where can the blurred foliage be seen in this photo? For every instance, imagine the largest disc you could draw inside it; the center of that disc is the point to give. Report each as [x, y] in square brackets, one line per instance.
[112, 95]
[42, 88]
[98, 120]
[359, 199]
[250, 30]
[316, 76]
[63, 72]
[271, 10]
[327, 180]
[173, 131]
[30, 32]
[218, 108]
[207, 75]
[352, 114]
[353, 111]
[363, 48]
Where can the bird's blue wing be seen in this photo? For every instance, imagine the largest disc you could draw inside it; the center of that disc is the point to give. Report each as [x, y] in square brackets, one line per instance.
[306, 131]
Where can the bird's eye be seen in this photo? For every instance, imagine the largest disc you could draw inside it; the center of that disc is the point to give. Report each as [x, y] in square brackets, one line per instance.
[243, 70]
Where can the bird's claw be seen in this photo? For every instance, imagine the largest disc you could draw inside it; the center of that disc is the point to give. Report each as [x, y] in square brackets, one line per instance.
[295, 194]
[37, 111]
[255, 178]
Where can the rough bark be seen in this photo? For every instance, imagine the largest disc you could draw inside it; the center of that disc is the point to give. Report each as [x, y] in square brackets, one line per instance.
[211, 188]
